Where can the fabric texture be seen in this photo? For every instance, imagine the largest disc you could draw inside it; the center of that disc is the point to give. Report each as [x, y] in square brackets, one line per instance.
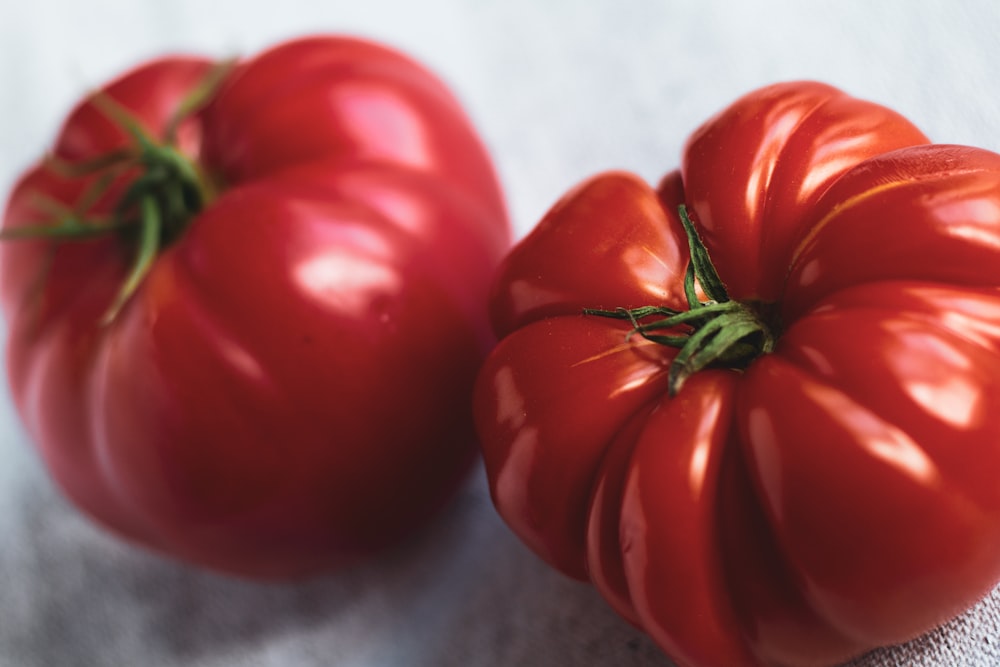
[560, 90]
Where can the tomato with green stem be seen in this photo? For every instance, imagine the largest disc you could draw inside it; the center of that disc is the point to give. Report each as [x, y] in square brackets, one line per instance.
[246, 303]
[755, 405]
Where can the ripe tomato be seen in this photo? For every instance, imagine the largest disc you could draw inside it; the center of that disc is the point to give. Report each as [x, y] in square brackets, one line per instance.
[771, 438]
[247, 303]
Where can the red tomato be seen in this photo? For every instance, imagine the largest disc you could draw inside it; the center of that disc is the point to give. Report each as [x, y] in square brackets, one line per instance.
[285, 389]
[816, 473]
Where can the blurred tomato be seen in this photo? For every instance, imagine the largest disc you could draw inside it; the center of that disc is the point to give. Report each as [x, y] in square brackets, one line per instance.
[247, 334]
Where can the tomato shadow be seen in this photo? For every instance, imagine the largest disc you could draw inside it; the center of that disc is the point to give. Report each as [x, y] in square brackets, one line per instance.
[463, 592]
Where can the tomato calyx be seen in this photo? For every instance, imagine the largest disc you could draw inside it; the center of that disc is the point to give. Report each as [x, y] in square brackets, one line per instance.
[717, 333]
[163, 190]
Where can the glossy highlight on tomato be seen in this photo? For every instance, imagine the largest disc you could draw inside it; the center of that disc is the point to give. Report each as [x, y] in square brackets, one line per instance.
[797, 494]
[246, 303]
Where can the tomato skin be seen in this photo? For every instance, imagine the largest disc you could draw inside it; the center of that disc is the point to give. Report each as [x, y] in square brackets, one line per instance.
[550, 463]
[838, 493]
[784, 144]
[284, 393]
[631, 266]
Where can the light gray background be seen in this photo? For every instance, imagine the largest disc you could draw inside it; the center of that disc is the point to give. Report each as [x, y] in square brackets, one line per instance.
[560, 89]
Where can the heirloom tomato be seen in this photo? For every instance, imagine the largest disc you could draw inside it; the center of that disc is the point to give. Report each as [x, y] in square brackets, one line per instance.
[757, 404]
[246, 303]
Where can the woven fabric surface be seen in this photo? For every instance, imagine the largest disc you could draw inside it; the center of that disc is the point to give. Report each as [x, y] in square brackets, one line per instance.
[560, 90]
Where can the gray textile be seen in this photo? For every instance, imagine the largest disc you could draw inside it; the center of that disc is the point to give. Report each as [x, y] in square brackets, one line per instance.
[560, 89]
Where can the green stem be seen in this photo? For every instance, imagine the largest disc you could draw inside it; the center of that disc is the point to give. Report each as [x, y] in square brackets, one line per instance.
[150, 228]
[718, 333]
[165, 189]
[198, 98]
[69, 228]
[701, 264]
